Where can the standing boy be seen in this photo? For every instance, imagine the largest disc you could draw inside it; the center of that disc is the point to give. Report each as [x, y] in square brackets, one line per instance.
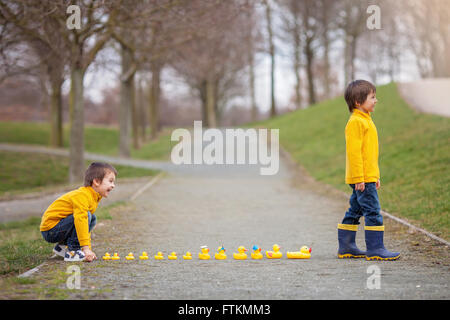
[363, 176]
[70, 218]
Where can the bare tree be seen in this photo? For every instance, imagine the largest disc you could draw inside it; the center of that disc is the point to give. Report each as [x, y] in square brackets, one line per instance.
[270, 33]
[81, 45]
[211, 61]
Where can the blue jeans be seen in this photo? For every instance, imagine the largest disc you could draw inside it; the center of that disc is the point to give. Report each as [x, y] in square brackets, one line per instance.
[365, 204]
[65, 232]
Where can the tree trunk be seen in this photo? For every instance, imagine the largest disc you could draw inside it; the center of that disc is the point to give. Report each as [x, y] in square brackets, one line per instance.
[76, 156]
[211, 103]
[309, 71]
[202, 93]
[126, 105]
[326, 54]
[273, 110]
[154, 101]
[142, 123]
[56, 136]
[254, 108]
[297, 65]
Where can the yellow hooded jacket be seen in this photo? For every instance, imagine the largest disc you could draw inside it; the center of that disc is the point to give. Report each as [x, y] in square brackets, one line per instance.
[77, 202]
[361, 141]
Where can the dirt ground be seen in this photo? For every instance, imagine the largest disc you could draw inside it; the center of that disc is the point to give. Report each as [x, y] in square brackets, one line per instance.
[233, 206]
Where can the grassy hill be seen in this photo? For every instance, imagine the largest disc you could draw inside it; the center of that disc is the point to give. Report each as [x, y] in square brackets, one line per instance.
[414, 154]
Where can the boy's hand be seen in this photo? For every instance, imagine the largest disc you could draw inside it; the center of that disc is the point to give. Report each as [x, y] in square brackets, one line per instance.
[90, 255]
[360, 186]
[378, 184]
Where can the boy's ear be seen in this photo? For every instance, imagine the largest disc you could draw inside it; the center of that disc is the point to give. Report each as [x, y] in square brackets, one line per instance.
[96, 182]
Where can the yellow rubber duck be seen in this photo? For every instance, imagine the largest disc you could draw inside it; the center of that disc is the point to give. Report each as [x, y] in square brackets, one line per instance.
[144, 256]
[187, 256]
[107, 256]
[115, 256]
[220, 255]
[241, 255]
[130, 256]
[304, 253]
[172, 256]
[256, 254]
[275, 254]
[159, 256]
[204, 255]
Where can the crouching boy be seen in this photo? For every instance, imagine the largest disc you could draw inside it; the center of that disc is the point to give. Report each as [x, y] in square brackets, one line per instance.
[69, 220]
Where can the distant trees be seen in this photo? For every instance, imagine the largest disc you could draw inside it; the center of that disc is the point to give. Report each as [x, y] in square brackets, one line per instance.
[217, 52]
[212, 45]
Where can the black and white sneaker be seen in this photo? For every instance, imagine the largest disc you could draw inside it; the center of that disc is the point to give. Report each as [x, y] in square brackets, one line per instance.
[74, 256]
[60, 250]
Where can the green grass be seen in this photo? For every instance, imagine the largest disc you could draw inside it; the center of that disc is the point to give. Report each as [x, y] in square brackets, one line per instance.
[22, 246]
[100, 140]
[414, 154]
[21, 172]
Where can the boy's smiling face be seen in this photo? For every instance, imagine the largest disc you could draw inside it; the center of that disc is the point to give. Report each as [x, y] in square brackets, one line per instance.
[369, 104]
[105, 186]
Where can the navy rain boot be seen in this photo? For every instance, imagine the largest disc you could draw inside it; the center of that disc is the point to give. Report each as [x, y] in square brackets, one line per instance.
[347, 244]
[375, 245]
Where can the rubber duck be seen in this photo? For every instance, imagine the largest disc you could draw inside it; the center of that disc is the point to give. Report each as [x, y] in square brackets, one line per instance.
[241, 255]
[172, 256]
[159, 256]
[107, 256]
[144, 256]
[256, 254]
[204, 255]
[304, 253]
[115, 256]
[220, 254]
[130, 256]
[275, 254]
[187, 256]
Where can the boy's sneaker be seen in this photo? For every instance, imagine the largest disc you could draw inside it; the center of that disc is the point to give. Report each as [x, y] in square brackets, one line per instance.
[74, 256]
[60, 250]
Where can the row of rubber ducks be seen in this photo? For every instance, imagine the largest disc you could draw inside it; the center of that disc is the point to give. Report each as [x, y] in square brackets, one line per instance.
[304, 253]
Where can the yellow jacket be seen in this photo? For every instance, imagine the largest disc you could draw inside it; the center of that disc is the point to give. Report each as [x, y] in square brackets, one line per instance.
[77, 202]
[361, 139]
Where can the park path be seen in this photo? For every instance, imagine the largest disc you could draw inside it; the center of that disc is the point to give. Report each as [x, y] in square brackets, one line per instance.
[232, 206]
[427, 95]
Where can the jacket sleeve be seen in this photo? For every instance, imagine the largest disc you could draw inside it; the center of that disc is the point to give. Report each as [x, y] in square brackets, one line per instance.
[354, 132]
[80, 216]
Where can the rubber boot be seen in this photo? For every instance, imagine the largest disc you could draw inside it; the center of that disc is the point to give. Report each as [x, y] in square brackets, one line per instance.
[347, 244]
[375, 245]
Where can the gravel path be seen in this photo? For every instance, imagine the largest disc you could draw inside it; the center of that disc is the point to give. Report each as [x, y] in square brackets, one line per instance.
[428, 95]
[233, 206]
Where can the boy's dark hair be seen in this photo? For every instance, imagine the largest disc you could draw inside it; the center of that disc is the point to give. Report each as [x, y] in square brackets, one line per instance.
[97, 170]
[357, 92]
